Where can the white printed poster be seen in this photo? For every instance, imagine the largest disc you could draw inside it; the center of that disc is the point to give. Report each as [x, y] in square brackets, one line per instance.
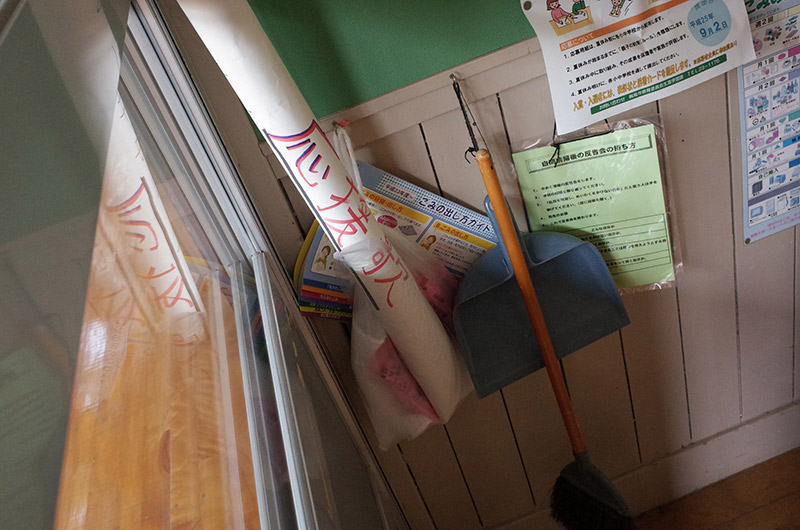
[607, 56]
[769, 109]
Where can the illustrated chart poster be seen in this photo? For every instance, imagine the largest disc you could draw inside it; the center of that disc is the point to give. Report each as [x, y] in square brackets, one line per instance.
[770, 122]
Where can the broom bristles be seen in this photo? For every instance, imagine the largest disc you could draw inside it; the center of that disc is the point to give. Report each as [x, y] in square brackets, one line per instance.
[588, 502]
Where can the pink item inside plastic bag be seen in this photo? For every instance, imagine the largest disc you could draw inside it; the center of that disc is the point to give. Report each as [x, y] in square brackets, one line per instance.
[387, 364]
[439, 287]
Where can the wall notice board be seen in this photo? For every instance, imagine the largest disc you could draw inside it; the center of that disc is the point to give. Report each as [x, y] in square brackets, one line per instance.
[343, 53]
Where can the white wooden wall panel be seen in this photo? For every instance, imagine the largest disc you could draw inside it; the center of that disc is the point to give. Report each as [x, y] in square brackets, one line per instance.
[402, 154]
[696, 131]
[599, 390]
[765, 279]
[438, 476]
[796, 387]
[540, 520]
[448, 141]
[484, 442]
[540, 433]
[654, 356]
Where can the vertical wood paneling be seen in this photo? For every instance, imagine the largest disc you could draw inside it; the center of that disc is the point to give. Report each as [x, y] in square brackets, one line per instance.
[697, 145]
[599, 390]
[481, 435]
[528, 116]
[765, 290]
[654, 357]
[403, 154]
[540, 520]
[403, 487]
[461, 180]
[438, 475]
[540, 433]
[448, 141]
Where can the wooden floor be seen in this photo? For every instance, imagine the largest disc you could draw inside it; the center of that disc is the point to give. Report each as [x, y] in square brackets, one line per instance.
[765, 497]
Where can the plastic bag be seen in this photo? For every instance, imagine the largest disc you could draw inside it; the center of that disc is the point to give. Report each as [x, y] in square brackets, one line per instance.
[396, 403]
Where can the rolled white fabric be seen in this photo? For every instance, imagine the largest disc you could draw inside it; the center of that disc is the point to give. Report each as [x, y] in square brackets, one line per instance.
[231, 32]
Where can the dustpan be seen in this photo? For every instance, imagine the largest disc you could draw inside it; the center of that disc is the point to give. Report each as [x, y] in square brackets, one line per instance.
[579, 299]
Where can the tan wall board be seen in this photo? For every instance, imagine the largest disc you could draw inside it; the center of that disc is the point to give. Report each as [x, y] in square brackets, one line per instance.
[539, 520]
[404, 155]
[599, 391]
[481, 434]
[765, 278]
[437, 473]
[459, 176]
[654, 358]
[697, 143]
[539, 431]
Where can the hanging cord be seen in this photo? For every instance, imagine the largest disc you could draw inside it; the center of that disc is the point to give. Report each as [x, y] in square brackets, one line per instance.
[344, 148]
[557, 148]
[557, 143]
[469, 119]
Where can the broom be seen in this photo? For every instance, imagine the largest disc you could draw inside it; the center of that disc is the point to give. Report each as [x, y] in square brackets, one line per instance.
[583, 498]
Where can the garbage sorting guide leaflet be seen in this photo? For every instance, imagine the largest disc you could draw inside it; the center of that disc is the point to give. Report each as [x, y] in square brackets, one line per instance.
[769, 110]
[606, 190]
[606, 56]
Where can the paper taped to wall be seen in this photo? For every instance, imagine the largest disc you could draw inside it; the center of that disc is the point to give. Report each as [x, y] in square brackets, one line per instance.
[607, 56]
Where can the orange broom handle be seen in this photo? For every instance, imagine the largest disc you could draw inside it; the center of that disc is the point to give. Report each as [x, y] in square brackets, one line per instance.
[518, 263]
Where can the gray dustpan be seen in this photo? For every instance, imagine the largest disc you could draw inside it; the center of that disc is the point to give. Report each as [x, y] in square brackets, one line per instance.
[579, 300]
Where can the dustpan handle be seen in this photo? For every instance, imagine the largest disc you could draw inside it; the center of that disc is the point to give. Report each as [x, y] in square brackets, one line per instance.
[509, 236]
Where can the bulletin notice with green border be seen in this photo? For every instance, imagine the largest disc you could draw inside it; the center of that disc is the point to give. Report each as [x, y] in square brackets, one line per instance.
[606, 190]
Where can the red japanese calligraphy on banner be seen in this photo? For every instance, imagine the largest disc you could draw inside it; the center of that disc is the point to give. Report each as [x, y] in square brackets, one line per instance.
[309, 152]
[386, 267]
[311, 159]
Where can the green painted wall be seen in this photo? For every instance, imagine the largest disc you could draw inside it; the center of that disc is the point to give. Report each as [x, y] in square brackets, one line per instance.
[343, 53]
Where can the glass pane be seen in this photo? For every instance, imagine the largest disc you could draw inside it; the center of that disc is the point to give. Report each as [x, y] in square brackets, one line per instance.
[336, 480]
[158, 432]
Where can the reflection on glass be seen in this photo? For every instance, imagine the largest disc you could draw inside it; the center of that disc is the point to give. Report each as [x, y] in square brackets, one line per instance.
[158, 434]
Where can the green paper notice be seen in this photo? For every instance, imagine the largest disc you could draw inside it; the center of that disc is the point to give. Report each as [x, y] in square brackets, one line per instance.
[606, 190]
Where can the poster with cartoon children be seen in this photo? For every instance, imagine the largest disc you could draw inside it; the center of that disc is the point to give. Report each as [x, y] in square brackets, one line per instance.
[604, 57]
[563, 21]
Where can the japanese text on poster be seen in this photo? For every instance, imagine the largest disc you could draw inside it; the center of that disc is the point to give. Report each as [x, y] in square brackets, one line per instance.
[606, 190]
[455, 235]
[607, 56]
[769, 106]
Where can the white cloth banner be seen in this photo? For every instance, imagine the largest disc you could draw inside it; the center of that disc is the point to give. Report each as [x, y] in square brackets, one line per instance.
[607, 56]
[231, 32]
